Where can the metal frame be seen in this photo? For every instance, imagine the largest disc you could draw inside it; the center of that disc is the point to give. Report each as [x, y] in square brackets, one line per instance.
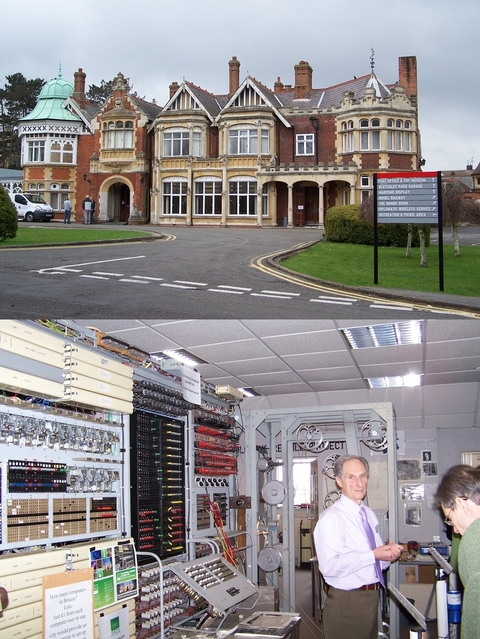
[340, 423]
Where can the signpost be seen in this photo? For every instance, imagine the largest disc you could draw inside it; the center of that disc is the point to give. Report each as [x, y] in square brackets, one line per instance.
[413, 197]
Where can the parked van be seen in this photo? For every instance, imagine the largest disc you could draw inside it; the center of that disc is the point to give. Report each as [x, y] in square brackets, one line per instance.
[31, 208]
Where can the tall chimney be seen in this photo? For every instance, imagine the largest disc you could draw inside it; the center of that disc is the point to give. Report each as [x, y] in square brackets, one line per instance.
[407, 76]
[173, 89]
[234, 75]
[79, 90]
[303, 80]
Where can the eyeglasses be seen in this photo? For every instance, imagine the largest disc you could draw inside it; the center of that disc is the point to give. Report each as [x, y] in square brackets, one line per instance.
[447, 519]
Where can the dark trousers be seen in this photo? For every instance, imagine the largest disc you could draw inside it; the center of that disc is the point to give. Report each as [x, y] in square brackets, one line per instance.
[351, 614]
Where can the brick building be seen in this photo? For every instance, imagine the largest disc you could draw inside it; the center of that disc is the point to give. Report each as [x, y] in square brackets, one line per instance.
[252, 157]
[281, 156]
[71, 146]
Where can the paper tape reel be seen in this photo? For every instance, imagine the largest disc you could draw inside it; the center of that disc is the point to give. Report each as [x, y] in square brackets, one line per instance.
[273, 492]
[270, 558]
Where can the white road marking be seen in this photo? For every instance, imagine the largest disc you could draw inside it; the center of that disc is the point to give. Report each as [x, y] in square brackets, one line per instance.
[280, 297]
[392, 308]
[177, 286]
[324, 301]
[337, 298]
[191, 283]
[145, 277]
[134, 281]
[69, 270]
[95, 277]
[281, 293]
[109, 274]
[225, 290]
[235, 288]
[117, 259]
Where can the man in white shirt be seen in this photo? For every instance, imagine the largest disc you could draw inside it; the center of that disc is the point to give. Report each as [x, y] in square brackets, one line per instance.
[351, 556]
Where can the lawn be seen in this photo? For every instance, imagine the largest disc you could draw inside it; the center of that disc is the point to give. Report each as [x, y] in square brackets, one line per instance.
[50, 235]
[352, 264]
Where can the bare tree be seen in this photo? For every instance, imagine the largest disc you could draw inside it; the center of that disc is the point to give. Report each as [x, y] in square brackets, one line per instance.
[457, 209]
[366, 214]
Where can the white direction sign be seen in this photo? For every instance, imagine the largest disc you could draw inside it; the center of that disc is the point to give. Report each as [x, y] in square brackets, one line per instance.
[407, 198]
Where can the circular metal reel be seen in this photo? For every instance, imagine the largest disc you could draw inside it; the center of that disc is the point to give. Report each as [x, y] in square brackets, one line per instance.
[331, 498]
[328, 465]
[374, 435]
[270, 558]
[310, 437]
[273, 492]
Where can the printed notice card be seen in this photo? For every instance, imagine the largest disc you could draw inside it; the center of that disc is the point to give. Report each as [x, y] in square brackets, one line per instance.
[68, 605]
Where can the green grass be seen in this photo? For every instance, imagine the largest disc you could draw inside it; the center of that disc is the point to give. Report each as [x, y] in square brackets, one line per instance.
[51, 235]
[352, 264]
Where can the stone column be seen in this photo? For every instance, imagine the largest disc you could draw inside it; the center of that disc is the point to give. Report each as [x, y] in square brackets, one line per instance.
[290, 206]
[321, 206]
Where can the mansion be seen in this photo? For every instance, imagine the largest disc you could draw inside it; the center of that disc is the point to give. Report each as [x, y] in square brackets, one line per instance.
[251, 157]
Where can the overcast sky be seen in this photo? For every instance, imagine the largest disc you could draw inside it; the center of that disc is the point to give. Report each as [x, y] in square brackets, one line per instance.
[155, 42]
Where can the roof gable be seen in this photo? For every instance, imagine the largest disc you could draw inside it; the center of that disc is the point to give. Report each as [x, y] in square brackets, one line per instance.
[252, 93]
[189, 97]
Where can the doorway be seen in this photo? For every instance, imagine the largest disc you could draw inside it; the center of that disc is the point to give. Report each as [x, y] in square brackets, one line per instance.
[119, 203]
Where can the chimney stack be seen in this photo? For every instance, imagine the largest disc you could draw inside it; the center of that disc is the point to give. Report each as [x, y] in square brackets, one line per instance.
[303, 80]
[234, 75]
[173, 89]
[79, 90]
[407, 76]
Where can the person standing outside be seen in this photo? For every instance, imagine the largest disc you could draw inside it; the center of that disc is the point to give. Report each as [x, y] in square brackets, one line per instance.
[67, 210]
[458, 495]
[87, 210]
[352, 556]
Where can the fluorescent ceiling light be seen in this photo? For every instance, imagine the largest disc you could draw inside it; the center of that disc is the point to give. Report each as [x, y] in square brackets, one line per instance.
[181, 355]
[249, 392]
[393, 334]
[392, 382]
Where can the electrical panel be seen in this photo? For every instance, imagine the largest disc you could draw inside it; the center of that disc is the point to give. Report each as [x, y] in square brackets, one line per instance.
[62, 477]
[158, 499]
[213, 451]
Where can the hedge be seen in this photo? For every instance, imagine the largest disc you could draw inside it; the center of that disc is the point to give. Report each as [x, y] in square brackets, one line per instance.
[8, 217]
[342, 224]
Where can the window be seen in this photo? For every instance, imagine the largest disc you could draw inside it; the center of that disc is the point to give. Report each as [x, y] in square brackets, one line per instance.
[397, 139]
[243, 141]
[365, 181]
[36, 150]
[176, 143]
[54, 200]
[61, 151]
[364, 140]
[208, 197]
[348, 145]
[242, 196]
[265, 201]
[305, 143]
[370, 140]
[174, 197]
[118, 135]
